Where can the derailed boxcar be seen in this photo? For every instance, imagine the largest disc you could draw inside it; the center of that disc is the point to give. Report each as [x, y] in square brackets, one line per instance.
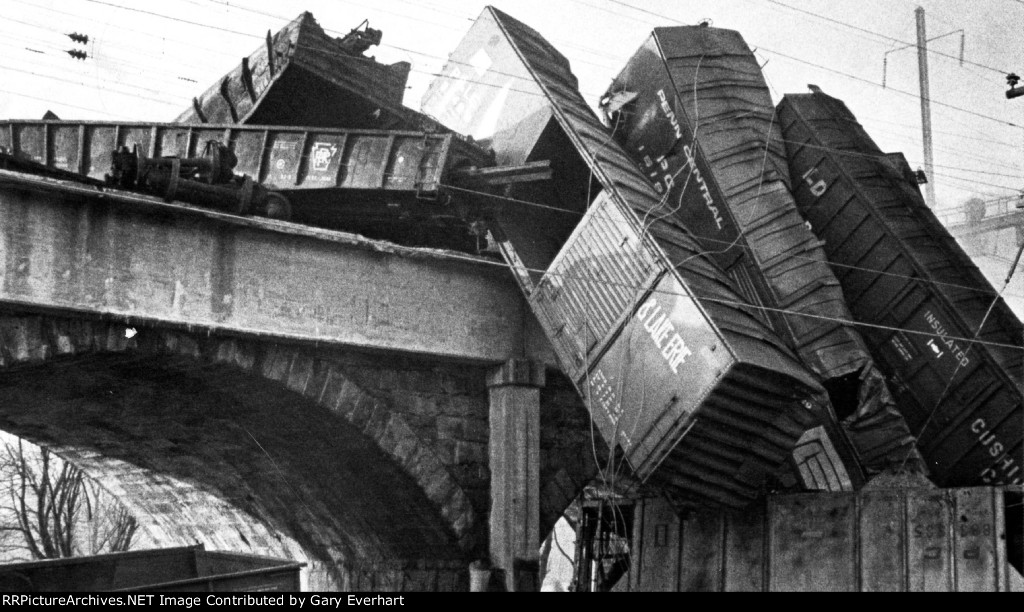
[302, 76]
[693, 110]
[676, 369]
[921, 296]
[357, 180]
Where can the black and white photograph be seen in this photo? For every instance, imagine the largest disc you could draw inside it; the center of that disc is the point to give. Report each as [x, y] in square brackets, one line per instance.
[337, 302]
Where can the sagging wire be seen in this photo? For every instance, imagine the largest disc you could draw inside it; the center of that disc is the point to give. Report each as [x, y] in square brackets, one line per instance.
[733, 243]
[646, 227]
[644, 237]
[449, 255]
[970, 345]
[427, 55]
[430, 73]
[740, 229]
[753, 212]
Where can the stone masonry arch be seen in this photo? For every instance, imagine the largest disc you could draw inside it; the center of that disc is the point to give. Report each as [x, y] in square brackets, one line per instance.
[434, 461]
[26, 340]
[35, 343]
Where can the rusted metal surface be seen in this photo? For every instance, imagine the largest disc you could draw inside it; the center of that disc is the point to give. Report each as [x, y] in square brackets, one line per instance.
[922, 297]
[189, 568]
[692, 109]
[676, 368]
[302, 76]
[281, 157]
[901, 539]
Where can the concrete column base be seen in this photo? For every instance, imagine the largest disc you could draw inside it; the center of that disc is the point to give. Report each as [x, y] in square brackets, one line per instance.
[515, 471]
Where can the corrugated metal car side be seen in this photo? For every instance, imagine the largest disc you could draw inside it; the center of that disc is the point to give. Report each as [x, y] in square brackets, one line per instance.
[694, 112]
[748, 423]
[922, 296]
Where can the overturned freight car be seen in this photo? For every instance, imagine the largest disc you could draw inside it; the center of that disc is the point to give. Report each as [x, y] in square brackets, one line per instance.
[301, 76]
[693, 110]
[366, 181]
[676, 369]
[947, 340]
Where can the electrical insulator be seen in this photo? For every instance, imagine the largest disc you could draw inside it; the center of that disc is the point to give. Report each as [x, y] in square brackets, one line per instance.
[79, 38]
[1014, 91]
[79, 55]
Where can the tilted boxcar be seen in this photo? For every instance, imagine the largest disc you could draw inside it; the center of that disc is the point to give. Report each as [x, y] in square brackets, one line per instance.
[676, 369]
[921, 298]
[693, 110]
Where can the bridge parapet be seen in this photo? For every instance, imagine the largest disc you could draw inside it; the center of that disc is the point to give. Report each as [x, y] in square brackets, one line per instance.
[72, 248]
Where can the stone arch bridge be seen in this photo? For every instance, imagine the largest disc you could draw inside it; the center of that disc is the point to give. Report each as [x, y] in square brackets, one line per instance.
[264, 387]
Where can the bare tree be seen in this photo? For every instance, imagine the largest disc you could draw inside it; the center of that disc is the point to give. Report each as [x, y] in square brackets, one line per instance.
[53, 510]
[111, 525]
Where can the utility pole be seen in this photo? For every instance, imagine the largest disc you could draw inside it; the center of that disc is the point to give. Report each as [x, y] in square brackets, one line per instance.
[926, 109]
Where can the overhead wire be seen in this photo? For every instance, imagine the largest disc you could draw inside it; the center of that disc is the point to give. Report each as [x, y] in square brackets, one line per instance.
[622, 3]
[970, 344]
[886, 37]
[61, 102]
[940, 103]
[490, 195]
[501, 264]
[536, 93]
[69, 81]
[964, 169]
[916, 279]
[191, 44]
[563, 211]
[58, 53]
[846, 74]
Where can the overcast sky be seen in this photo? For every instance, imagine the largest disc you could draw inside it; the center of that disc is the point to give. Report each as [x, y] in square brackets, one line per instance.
[148, 59]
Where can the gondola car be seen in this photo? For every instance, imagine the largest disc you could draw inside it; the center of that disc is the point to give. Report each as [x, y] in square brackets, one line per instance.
[386, 184]
[301, 76]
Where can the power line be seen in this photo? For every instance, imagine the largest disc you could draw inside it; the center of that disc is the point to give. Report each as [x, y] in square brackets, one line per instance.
[900, 91]
[530, 92]
[846, 74]
[742, 246]
[51, 100]
[843, 152]
[162, 16]
[218, 28]
[888, 38]
[735, 303]
[539, 94]
[63, 80]
[694, 295]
